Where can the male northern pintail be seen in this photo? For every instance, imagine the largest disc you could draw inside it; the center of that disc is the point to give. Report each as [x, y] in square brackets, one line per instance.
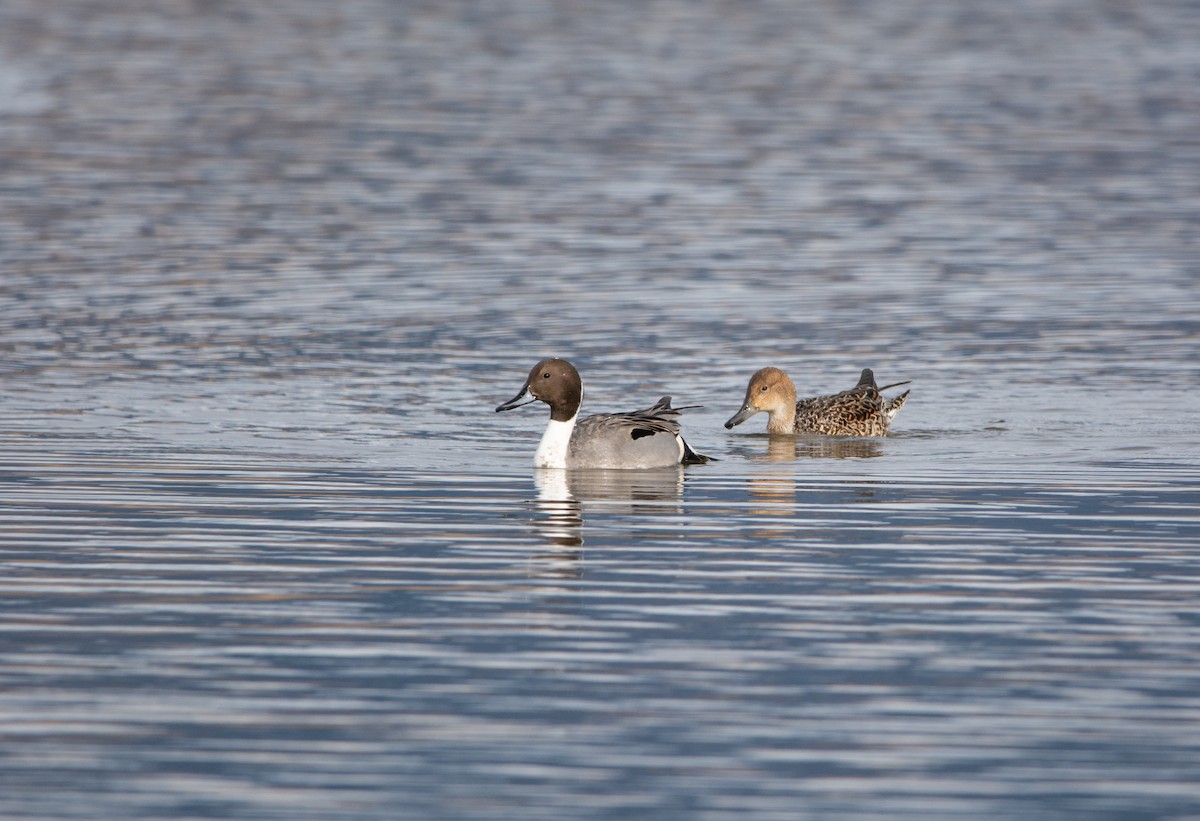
[639, 439]
[860, 411]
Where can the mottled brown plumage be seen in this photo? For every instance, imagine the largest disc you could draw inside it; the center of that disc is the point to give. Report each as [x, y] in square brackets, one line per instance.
[860, 411]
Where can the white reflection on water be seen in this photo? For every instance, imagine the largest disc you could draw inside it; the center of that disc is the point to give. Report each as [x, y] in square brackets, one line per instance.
[563, 496]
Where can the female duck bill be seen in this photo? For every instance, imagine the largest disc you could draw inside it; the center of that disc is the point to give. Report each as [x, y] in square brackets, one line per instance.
[741, 416]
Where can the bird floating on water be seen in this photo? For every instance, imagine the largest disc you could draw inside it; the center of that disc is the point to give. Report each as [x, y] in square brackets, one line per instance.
[860, 411]
[637, 439]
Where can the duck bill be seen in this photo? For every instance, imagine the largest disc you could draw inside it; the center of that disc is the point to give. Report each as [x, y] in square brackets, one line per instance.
[516, 402]
[741, 416]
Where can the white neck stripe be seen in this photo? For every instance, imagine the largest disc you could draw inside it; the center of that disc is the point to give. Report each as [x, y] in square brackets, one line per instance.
[552, 452]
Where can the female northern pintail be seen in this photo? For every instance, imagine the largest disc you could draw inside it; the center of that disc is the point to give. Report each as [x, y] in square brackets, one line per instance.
[639, 439]
[860, 411]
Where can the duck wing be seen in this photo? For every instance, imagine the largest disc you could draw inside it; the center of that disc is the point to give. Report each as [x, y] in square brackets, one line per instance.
[658, 418]
[641, 438]
[860, 411]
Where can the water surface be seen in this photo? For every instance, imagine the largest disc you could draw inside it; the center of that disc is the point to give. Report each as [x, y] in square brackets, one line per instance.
[267, 552]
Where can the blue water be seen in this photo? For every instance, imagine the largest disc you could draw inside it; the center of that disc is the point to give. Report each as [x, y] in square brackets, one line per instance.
[266, 551]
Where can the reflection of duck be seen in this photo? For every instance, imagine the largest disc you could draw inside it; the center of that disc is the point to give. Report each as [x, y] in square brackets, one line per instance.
[791, 448]
[638, 439]
[560, 518]
[781, 449]
[818, 447]
[860, 411]
[660, 485]
[561, 494]
[777, 497]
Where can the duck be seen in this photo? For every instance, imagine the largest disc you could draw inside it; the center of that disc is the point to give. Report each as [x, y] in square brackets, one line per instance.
[647, 438]
[860, 411]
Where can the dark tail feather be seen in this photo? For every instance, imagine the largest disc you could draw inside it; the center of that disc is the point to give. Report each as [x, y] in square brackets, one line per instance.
[867, 379]
[690, 457]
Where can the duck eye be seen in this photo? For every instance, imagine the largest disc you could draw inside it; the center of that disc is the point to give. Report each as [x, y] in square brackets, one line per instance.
[546, 375]
[763, 389]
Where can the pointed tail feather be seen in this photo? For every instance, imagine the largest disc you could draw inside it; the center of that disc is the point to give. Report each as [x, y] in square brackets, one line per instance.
[892, 406]
[690, 457]
[866, 379]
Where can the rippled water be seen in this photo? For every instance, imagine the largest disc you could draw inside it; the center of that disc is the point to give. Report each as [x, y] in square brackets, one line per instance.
[267, 552]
